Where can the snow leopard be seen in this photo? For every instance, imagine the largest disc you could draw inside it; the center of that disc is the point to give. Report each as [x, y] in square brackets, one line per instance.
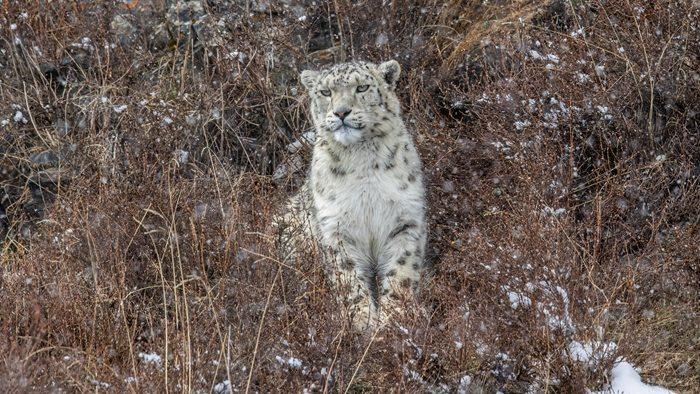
[363, 200]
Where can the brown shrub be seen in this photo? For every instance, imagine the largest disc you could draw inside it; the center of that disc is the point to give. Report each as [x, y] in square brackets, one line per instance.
[560, 143]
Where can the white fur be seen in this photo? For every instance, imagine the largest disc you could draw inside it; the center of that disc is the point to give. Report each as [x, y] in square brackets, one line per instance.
[365, 187]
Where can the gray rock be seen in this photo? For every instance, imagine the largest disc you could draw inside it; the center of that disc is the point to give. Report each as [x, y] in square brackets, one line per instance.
[182, 156]
[50, 175]
[184, 14]
[123, 30]
[26, 231]
[293, 165]
[62, 127]
[260, 6]
[381, 40]
[241, 256]
[45, 158]
[683, 369]
[200, 210]
[448, 186]
[189, 20]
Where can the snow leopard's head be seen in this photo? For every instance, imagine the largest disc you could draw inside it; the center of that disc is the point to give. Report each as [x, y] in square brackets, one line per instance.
[348, 100]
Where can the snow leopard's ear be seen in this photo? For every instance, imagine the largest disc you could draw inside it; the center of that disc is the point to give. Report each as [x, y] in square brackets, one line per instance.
[309, 78]
[390, 71]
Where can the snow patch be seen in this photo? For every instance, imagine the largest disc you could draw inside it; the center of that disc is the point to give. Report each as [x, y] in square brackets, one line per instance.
[521, 125]
[590, 353]
[223, 387]
[624, 379]
[553, 58]
[583, 78]
[558, 212]
[291, 361]
[307, 138]
[464, 384]
[151, 358]
[19, 117]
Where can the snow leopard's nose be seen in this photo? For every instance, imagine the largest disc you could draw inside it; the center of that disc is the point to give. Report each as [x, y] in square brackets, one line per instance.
[342, 112]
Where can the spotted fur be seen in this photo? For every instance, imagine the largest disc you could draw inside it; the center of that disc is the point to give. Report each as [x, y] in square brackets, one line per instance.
[364, 194]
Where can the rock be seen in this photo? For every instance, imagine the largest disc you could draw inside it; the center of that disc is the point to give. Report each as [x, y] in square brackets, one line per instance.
[241, 256]
[188, 21]
[188, 17]
[200, 210]
[299, 13]
[46, 158]
[683, 369]
[294, 164]
[26, 231]
[182, 156]
[123, 30]
[62, 127]
[448, 186]
[260, 6]
[19, 117]
[160, 38]
[381, 40]
[183, 14]
[307, 138]
[48, 176]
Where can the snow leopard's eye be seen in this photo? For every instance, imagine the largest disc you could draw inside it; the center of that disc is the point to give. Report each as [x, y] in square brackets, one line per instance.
[362, 88]
[326, 93]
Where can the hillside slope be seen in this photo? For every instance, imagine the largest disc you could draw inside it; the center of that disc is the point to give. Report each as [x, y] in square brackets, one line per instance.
[146, 146]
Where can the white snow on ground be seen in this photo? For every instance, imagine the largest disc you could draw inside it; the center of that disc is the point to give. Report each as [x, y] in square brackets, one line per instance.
[151, 358]
[558, 212]
[521, 125]
[517, 299]
[307, 138]
[291, 361]
[624, 379]
[464, 384]
[553, 58]
[296, 162]
[19, 117]
[100, 384]
[590, 353]
[554, 320]
[536, 55]
[223, 387]
[553, 307]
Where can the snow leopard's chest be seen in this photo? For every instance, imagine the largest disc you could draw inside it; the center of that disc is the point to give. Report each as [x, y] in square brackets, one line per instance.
[365, 195]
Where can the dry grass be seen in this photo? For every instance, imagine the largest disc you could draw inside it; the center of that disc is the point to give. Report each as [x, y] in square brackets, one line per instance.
[563, 196]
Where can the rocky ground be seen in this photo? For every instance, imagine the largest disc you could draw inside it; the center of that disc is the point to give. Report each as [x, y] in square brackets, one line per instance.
[147, 144]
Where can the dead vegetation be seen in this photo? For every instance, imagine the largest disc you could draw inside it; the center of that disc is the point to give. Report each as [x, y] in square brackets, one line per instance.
[139, 140]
